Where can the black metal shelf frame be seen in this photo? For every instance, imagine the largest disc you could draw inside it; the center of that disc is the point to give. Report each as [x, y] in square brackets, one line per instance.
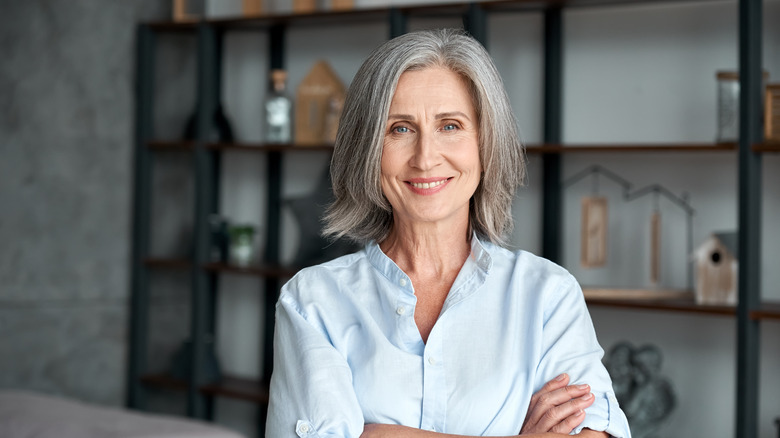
[206, 164]
[749, 216]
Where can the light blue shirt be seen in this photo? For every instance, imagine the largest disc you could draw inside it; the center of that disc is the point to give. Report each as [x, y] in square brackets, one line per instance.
[348, 352]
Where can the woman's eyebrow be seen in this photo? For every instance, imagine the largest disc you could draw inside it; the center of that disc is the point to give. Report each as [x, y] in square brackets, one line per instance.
[400, 117]
[447, 115]
[451, 114]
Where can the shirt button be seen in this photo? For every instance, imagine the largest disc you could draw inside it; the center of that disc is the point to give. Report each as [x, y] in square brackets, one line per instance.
[432, 361]
[400, 310]
[304, 428]
[402, 282]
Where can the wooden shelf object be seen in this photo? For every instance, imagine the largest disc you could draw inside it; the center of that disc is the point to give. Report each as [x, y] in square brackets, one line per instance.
[380, 14]
[167, 263]
[164, 381]
[767, 310]
[171, 145]
[769, 146]
[179, 145]
[265, 271]
[230, 387]
[678, 305]
[628, 147]
[267, 147]
[238, 388]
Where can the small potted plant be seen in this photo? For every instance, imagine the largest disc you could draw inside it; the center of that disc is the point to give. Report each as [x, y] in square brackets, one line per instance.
[241, 244]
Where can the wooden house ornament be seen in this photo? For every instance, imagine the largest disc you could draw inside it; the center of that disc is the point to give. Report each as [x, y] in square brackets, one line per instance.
[716, 270]
[593, 237]
[318, 105]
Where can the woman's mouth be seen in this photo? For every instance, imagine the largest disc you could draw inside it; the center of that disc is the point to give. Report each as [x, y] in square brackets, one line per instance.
[427, 185]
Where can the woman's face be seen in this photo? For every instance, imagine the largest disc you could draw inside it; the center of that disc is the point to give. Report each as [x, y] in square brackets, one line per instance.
[430, 158]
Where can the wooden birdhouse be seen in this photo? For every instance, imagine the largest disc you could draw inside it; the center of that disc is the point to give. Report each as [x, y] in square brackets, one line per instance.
[716, 270]
[318, 105]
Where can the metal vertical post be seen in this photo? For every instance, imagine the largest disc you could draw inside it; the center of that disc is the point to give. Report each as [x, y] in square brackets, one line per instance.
[273, 228]
[748, 334]
[273, 213]
[204, 185]
[551, 162]
[139, 299]
[475, 23]
[397, 23]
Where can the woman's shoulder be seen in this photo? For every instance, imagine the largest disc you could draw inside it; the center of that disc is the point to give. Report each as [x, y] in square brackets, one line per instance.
[318, 281]
[526, 262]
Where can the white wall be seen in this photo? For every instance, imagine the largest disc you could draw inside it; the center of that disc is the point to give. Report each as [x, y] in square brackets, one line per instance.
[642, 73]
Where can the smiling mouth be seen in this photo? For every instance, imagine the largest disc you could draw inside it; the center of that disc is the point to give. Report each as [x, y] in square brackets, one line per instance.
[428, 185]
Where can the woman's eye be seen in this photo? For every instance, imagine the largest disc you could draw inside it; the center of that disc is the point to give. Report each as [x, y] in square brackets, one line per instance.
[450, 127]
[400, 129]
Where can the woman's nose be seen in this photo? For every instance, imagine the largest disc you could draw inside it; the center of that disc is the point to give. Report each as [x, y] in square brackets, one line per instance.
[426, 153]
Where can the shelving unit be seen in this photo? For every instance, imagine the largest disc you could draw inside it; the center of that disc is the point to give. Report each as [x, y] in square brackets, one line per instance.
[205, 156]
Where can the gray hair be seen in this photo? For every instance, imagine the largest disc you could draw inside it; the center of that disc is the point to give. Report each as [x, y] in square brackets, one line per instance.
[360, 210]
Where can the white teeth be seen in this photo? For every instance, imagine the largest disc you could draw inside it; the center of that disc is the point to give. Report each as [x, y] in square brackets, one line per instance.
[428, 185]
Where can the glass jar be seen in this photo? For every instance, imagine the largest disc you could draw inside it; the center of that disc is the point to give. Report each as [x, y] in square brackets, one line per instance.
[728, 105]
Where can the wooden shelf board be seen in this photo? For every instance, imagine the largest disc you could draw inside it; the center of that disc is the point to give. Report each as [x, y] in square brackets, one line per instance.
[164, 381]
[170, 145]
[228, 386]
[265, 147]
[679, 305]
[651, 299]
[767, 310]
[257, 270]
[624, 147]
[173, 26]
[381, 13]
[769, 146]
[167, 263]
[238, 388]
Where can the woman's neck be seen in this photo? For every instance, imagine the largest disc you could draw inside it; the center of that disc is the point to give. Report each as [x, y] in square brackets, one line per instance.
[427, 250]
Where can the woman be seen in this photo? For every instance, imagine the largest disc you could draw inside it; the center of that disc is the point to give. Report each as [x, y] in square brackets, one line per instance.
[433, 328]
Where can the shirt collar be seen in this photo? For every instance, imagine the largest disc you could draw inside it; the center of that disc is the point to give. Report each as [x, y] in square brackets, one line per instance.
[480, 256]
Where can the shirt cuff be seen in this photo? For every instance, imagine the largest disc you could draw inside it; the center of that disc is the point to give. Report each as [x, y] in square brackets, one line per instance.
[605, 415]
[304, 429]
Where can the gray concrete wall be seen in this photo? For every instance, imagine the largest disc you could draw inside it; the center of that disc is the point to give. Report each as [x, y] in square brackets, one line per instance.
[66, 142]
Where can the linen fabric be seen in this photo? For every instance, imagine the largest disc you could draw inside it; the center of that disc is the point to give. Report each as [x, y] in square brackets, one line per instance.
[348, 352]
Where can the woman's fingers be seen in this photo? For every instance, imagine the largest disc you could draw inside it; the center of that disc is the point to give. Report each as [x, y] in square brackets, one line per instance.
[563, 418]
[558, 409]
[556, 383]
[569, 423]
[558, 413]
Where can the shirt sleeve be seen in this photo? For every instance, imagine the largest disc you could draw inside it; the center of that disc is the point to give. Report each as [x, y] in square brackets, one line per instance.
[311, 392]
[569, 345]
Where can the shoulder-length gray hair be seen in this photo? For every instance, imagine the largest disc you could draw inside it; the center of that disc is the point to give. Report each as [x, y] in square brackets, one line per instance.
[360, 210]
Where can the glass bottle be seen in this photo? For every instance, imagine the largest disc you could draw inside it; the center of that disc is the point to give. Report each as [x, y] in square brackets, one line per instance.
[278, 110]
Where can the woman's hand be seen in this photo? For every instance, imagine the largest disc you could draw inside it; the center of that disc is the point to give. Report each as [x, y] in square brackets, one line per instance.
[557, 407]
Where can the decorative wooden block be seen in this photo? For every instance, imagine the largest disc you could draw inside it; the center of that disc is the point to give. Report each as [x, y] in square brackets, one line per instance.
[318, 105]
[304, 6]
[594, 232]
[342, 5]
[655, 248]
[252, 7]
[772, 112]
[188, 10]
